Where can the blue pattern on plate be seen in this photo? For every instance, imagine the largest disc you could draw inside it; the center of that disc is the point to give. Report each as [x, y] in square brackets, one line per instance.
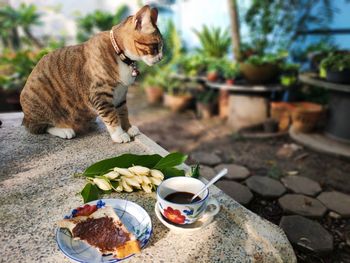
[133, 216]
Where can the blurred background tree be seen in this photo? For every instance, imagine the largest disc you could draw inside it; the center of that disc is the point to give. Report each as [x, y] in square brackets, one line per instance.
[12, 20]
[99, 21]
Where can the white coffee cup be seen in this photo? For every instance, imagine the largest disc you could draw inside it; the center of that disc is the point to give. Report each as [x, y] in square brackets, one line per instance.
[185, 213]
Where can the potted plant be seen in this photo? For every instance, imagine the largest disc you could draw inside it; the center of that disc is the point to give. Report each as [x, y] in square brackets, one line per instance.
[206, 102]
[153, 87]
[230, 72]
[176, 96]
[337, 66]
[259, 69]
[213, 72]
[289, 74]
[192, 65]
[15, 69]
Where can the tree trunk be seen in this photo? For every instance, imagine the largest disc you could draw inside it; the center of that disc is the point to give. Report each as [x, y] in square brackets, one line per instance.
[32, 38]
[236, 39]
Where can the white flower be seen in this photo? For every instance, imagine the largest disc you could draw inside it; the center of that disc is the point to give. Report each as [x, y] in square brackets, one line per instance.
[155, 181]
[132, 181]
[157, 174]
[147, 188]
[126, 187]
[111, 175]
[146, 180]
[123, 171]
[139, 170]
[119, 188]
[103, 184]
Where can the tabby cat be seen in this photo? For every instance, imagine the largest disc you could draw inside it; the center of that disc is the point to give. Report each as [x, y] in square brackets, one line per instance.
[70, 86]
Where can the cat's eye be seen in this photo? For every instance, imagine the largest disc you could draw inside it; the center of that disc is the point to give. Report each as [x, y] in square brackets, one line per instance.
[154, 48]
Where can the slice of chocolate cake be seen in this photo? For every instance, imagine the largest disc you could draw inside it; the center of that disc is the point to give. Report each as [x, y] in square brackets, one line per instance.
[104, 231]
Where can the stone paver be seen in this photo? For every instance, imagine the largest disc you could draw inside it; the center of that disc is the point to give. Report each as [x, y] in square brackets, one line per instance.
[237, 191]
[207, 172]
[307, 234]
[265, 186]
[302, 205]
[206, 158]
[301, 185]
[337, 202]
[235, 172]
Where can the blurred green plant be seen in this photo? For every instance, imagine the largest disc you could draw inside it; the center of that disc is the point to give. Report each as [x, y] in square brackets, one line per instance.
[214, 41]
[336, 62]
[230, 70]
[12, 20]
[268, 58]
[192, 65]
[99, 21]
[207, 96]
[15, 67]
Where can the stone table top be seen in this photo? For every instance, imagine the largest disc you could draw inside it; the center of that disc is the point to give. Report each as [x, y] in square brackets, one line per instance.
[313, 80]
[246, 88]
[37, 188]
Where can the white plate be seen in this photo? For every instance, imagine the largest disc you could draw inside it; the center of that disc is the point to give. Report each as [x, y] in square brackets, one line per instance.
[198, 225]
[133, 216]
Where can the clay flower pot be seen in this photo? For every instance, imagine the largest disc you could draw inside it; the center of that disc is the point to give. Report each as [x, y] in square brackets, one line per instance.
[230, 82]
[212, 76]
[305, 116]
[177, 103]
[282, 113]
[259, 74]
[154, 94]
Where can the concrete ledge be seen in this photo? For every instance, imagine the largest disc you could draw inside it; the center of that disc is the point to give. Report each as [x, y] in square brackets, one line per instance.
[37, 188]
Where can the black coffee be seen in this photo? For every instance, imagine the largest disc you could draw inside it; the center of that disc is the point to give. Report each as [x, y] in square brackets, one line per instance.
[181, 198]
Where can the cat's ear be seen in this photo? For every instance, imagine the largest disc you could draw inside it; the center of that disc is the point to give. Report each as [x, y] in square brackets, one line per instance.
[154, 15]
[143, 20]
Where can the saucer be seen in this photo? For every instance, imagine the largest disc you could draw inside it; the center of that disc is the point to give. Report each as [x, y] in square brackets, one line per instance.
[198, 225]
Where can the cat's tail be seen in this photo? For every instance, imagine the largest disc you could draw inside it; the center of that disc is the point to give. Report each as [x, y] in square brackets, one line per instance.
[35, 128]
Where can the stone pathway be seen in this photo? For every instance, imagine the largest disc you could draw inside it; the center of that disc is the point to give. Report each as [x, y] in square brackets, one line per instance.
[307, 234]
[301, 185]
[265, 186]
[237, 191]
[337, 202]
[210, 159]
[296, 197]
[302, 205]
[235, 172]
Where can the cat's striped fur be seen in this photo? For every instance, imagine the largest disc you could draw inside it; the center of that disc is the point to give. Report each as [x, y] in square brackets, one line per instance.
[71, 86]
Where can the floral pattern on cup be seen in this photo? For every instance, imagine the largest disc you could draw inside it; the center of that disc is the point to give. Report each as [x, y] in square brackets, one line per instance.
[174, 215]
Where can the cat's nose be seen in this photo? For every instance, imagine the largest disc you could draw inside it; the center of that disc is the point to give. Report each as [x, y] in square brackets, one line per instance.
[160, 56]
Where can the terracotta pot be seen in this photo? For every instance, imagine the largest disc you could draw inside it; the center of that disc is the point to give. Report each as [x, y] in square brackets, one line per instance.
[212, 76]
[305, 116]
[154, 94]
[259, 74]
[230, 81]
[177, 103]
[282, 113]
[204, 110]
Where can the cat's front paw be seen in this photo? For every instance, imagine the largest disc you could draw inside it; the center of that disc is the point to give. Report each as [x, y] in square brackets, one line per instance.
[120, 136]
[133, 131]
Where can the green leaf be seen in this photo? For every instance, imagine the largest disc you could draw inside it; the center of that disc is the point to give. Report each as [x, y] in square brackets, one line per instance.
[90, 192]
[172, 172]
[122, 161]
[195, 171]
[171, 160]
